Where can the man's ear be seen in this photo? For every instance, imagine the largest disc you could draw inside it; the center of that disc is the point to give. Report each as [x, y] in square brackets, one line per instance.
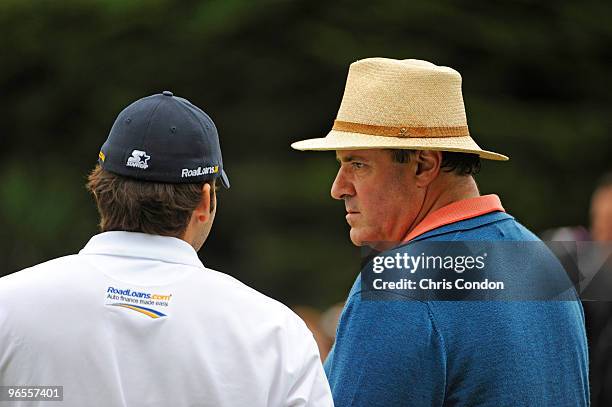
[427, 166]
[204, 209]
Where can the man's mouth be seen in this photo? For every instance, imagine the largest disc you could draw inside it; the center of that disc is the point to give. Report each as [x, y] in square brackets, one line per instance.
[350, 215]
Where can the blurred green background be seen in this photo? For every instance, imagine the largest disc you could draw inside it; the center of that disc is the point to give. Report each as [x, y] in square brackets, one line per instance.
[536, 84]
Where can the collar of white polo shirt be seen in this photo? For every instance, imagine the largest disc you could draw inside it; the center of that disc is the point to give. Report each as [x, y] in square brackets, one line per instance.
[144, 246]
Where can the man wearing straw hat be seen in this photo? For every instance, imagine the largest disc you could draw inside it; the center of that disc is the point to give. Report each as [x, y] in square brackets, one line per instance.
[406, 176]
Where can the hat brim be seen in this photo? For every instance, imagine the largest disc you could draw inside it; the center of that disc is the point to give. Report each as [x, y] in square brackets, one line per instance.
[224, 179]
[340, 140]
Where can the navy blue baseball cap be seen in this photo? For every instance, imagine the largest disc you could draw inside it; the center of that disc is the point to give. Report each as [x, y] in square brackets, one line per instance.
[164, 138]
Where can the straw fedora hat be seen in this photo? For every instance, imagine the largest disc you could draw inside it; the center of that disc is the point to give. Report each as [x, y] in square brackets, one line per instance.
[400, 104]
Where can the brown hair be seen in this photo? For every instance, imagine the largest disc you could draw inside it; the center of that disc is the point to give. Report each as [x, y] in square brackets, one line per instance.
[141, 206]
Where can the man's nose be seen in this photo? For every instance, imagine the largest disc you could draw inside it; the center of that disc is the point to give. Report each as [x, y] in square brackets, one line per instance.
[341, 188]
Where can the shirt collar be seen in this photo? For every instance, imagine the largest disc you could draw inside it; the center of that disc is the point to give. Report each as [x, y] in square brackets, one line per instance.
[455, 212]
[144, 246]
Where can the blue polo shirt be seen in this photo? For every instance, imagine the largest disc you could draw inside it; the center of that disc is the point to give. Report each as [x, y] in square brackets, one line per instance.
[460, 353]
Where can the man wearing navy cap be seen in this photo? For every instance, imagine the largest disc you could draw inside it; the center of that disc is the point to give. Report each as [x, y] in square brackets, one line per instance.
[135, 319]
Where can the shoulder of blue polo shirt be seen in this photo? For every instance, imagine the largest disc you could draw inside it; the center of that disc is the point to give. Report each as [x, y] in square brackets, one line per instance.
[473, 225]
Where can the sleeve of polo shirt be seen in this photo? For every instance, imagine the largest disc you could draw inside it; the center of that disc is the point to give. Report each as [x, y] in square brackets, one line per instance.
[308, 386]
[387, 353]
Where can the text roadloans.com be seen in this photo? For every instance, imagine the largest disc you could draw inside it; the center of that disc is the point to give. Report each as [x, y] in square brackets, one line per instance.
[429, 284]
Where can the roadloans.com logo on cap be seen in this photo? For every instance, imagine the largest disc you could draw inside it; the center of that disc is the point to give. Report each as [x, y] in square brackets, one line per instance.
[186, 172]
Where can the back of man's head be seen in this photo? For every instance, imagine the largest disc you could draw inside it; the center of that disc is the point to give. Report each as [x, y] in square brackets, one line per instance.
[159, 164]
[149, 207]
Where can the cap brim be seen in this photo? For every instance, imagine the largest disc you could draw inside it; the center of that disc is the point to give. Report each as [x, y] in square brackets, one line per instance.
[224, 179]
[340, 140]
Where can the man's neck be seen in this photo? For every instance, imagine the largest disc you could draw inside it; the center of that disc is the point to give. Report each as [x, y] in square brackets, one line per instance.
[450, 189]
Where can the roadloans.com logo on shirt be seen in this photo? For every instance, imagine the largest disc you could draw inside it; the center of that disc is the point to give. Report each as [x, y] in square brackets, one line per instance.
[143, 302]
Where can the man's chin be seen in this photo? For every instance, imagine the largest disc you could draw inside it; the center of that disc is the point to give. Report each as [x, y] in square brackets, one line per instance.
[355, 238]
[359, 239]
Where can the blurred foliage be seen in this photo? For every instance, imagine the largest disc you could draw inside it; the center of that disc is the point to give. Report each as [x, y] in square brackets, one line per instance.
[536, 86]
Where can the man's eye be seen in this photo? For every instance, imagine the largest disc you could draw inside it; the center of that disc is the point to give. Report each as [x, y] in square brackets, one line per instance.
[357, 165]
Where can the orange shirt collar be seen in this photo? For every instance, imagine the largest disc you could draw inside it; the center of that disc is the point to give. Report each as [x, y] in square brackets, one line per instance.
[455, 212]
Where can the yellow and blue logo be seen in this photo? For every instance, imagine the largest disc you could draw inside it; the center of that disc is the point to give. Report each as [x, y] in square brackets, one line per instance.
[143, 310]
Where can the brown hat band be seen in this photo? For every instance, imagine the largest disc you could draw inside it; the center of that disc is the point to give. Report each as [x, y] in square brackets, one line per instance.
[403, 131]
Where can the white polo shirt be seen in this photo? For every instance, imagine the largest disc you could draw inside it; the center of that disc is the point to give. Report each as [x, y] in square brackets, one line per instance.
[137, 320]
